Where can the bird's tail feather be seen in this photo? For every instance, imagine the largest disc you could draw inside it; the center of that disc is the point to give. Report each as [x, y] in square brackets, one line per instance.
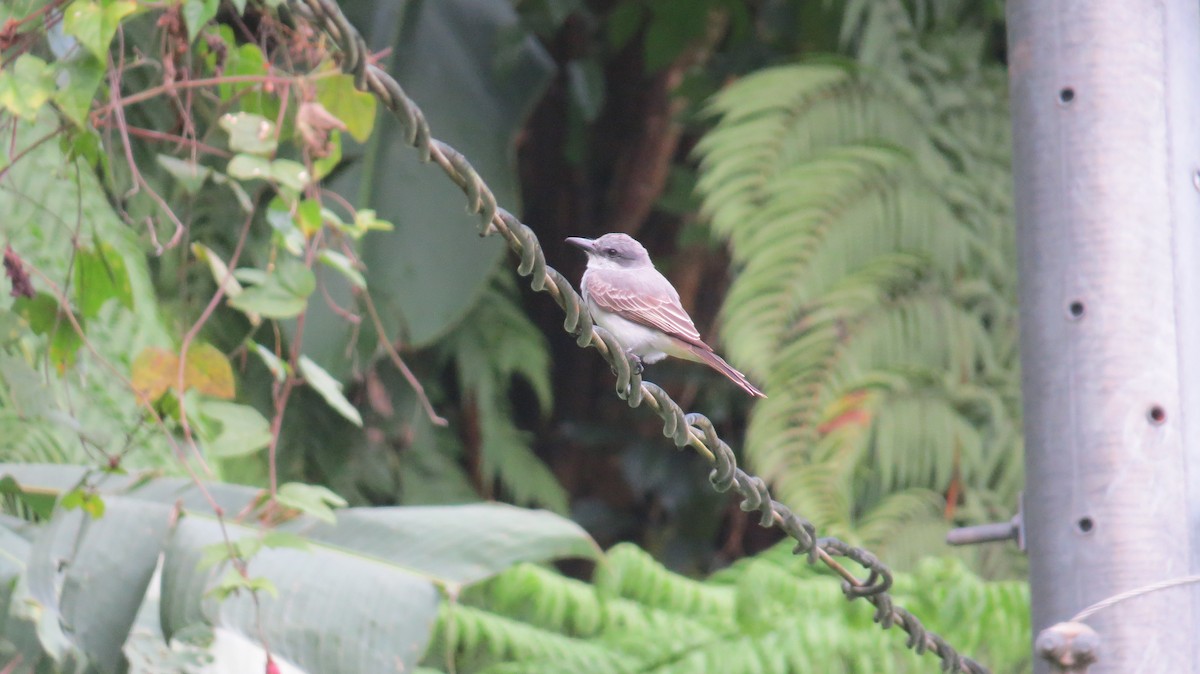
[718, 363]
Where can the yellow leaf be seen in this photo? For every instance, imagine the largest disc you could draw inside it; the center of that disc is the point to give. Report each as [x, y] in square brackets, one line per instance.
[208, 371]
[154, 371]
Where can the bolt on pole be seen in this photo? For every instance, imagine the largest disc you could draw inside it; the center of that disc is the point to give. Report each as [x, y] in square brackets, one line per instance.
[1106, 161]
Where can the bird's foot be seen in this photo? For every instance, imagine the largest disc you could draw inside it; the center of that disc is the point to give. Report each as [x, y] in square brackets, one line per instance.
[636, 361]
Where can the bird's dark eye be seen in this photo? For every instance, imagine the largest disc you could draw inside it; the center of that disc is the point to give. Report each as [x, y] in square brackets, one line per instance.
[611, 252]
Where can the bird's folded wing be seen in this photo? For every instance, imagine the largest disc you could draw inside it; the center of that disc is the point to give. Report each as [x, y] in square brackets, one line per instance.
[649, 300]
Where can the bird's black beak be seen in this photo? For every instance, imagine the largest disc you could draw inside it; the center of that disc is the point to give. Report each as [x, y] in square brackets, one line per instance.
[588, 245]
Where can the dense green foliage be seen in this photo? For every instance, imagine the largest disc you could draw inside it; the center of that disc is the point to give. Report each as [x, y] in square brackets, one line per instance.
[250, 305]
[770, 613]
[75, 584]
[868, 211]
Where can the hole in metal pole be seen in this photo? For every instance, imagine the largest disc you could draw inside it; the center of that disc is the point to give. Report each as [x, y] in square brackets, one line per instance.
[1085, 525]
[1075, 309]
[1157, 415]
[1066, 95]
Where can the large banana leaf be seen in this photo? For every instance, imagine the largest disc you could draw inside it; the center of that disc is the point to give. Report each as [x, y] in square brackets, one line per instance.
[461, 61]
[90, 576]
[360, 596]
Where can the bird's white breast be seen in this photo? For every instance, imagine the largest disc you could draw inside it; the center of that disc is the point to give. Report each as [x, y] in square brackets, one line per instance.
[647, 343]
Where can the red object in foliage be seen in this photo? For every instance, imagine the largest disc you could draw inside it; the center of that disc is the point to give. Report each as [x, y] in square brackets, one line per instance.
[21, 286]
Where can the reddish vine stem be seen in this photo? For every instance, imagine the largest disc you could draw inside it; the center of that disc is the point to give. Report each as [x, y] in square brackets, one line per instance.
[171, 138]
[394, 355]
[139, 182]
[29, 148]
[154, 92]
[195, 329]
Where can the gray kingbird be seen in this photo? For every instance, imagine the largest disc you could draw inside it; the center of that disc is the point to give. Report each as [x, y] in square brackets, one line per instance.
[627, 296]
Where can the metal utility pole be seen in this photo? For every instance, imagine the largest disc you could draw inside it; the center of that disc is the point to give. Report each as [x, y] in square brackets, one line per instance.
[1106, 126]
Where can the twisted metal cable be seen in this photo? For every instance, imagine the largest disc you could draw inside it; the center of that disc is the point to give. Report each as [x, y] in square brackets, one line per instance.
[685, 429]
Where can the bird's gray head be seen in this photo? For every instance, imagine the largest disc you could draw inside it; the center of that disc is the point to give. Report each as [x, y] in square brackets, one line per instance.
[613, 251]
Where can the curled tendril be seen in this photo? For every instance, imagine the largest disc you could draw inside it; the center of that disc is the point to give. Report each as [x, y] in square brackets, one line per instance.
[684, 429]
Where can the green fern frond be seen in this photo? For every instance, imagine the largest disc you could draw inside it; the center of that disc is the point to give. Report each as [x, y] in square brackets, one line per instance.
[77, 415]
[476, 640]
[770, 613]
[868, 212]
[542, 598]
[506, 454]
[496, 344]
[631, 573]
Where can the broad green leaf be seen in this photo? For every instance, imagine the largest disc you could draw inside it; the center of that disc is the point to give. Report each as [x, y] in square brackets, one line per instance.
[282, 539]
[79, 78]
[277, 366]
[387, 554]
[83, 144]
[247, 547]
[251, 275]
[52, 479]
[26, 85]
[19, 9]
[107, 564]
[83, 499]
[269, 300]
[189, 174]
[222, 276]
[425, 275]
[41, 502]
[247, 59]
[453, 545]
[43, 314]
[94, 23]
[280, 217]
[283, 294]
[100, 275]
[310, 499]
[308, 217]
[219, 553]
[291, 174]
[296, 277]
[342, 265]
[232, 582]
[370, 615]
[196, 13]
[329, 388]
[366, 220]
[233, 429]
[249, 133]
[323, 166]
[19, 633]
[248, 167]
[239, 192]
[355, 108]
